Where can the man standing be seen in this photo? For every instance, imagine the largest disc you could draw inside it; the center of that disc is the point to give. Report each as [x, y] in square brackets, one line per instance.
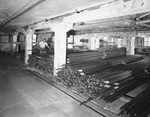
[42, 46]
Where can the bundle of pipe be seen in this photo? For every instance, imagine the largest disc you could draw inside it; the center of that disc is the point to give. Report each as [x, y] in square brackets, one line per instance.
[20, 56]
[124, 87]
[84, 56]
[143, 50]
[68, 77]
[42, 62]
[32, 60]
[115, 82]
[76, 58]
[138, 107]
[126, 59]
[96, 66]
[106, 79]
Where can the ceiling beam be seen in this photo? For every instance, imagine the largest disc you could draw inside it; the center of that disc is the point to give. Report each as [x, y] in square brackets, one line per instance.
[121, 23]
[107, 10]
[122, 18]
[104, 30]
[111, 10]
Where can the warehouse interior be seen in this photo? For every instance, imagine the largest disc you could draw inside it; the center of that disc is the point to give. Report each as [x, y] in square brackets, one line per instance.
[96, 62]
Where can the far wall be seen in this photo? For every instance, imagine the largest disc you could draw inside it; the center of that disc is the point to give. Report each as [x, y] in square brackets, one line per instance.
[121, 42]
[5, 43]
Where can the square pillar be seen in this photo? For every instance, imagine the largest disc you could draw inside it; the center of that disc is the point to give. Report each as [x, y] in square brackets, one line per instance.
[130, 43]
[94, 42]
[132, 52]
[14, 42]
[28, 43]
[60, 44]
[59, 49]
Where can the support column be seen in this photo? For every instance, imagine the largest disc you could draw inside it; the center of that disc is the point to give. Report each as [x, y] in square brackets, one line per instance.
[119, 41]
[14, 42]
[132, 46]
[97, 43]
[59, 49]
[60, 44]
[94, 42]
[28, 43]
[130, 43]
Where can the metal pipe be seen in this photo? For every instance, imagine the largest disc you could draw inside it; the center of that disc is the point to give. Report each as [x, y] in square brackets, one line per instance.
[142, 16]
[142, 22]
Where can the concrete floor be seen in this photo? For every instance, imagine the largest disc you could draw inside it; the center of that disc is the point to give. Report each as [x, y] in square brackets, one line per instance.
[24, 95]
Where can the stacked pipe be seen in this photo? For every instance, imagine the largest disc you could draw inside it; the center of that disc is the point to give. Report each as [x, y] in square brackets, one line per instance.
[32, 60]
[137, 70]
[138, 107]
[143, 50]
[20, 56]
[115, 82]
[68, 76]
[85, 56]
[76, 58]
[106, 78]
[42, 62]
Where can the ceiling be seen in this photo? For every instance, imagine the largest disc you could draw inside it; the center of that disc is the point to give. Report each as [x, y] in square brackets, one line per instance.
[18, 13]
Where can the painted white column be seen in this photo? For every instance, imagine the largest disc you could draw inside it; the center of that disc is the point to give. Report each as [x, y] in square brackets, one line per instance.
[119, 41]
[130, 43]
[28, 43]
[14, 40]
[97, 43]
[132, 46]
[60, 49]
[94, 43]
[60, 44]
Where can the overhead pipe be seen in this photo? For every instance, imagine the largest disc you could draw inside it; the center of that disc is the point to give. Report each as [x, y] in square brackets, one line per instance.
[143, 21]
[26, 10]
[143, 16]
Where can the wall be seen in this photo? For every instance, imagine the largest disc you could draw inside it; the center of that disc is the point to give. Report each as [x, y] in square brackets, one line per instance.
[90, 37]
[22, 39]
[41, 36]
[98, 36]
[147, 41]
[5, 43]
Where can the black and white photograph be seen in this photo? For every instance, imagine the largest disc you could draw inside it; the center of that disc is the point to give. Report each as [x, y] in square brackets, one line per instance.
[74, 58]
